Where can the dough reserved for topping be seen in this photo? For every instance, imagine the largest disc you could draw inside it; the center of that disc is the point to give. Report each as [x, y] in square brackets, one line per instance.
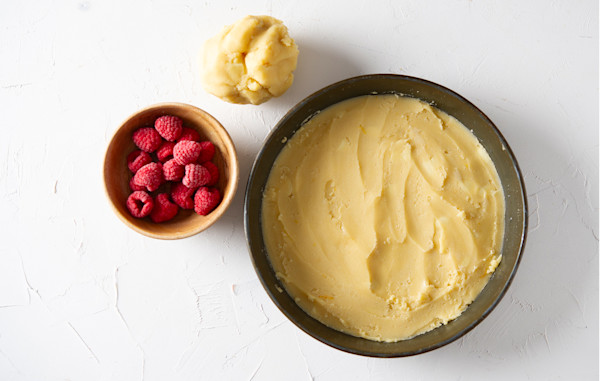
[383, 217]
[250, 61]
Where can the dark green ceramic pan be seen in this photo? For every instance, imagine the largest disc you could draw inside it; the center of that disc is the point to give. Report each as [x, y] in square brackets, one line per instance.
[512, 182]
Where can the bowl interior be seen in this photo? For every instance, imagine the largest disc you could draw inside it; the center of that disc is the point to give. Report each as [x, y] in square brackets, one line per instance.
[117, 175]
[500, 153]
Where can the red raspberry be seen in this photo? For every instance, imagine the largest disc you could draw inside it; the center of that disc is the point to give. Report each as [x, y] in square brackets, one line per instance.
[173, 171]
[147, 139]
[208, 151]
[183, 196]
[186, 152]
[150, 176]
[165, 151]
[164, 209]
[169, 127]
[195, 176]
[206, 199]
[137, 159]
[140, 204]
[135, 187]
[189, 134]
[214, 173]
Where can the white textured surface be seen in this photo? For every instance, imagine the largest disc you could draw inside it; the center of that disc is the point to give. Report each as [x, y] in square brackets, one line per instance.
[82, 297]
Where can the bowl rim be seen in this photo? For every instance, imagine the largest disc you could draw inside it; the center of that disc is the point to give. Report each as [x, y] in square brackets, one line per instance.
[296, 322]
[227, 198]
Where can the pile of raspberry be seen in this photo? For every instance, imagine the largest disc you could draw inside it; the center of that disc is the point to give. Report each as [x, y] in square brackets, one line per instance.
[172, 169]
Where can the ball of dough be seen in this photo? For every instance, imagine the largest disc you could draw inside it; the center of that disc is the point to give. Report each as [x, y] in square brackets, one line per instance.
[250, 61]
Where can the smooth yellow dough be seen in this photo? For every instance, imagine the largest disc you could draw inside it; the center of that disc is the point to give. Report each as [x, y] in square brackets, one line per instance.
[250, 61]
[383, 217]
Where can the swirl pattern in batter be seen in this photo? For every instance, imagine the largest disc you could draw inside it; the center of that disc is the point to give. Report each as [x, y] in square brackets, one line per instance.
[383, 217]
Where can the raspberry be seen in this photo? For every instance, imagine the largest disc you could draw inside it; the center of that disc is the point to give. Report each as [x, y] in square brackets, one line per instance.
[135, 187]
[206, 199]
[189, 134]
[214, 173]
[183, 196]
[208, 151]
[147, 139]
[173, 171]
[164, 209]
[137, 159]
[165, 151]
[186, 152]
[169, 127]
[195, 176]
[149, 176]
[140, 204]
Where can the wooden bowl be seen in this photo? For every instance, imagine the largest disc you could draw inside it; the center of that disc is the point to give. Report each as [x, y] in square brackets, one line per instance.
[117, 175]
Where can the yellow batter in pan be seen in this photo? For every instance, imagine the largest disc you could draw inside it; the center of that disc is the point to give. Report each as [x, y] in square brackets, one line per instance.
[383, 217]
